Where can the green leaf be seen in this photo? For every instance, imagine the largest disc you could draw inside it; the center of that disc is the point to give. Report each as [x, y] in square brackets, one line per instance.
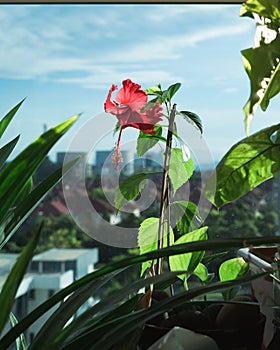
[150, 104]
[179, 171]
[147, 141]
[154, 90]
[192, 118]
[12, 334]
[26, 207]
[56, 322]
[20, 341]
[95, 316]
[263, 68]
[117, 128]
[247, 164]
[185, 216]
[148, 238]
[188, 261]
[129, 189]
[8, 118]
[10, 287]
[201, 272]
[6, 150]
[27, 188]
[171, 91]
[264, 8]
[17, 172]
[232, 269]
[118, 328]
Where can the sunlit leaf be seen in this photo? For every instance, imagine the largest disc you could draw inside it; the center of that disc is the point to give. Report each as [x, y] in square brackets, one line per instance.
[15, 175]
[148, 238]
[264, 8]
[26, 207]
[232, 269]
[201, 272]
[179, 171]
[8, 118]
[20, 341]
[246, 165]
[188, 261]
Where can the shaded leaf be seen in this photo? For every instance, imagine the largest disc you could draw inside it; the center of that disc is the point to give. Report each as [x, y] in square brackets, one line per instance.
[6, 150]
[247, 164]
[147, 141]
[184, 215]
[12, 334]
[171, 91]
[192, 118]
[14, 279]
[129, 189]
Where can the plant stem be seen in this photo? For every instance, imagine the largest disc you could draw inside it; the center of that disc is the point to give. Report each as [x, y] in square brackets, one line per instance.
[165, 183]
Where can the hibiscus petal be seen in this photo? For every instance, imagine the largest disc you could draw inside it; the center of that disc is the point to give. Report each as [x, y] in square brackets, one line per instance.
[131, 95]
[109, 105]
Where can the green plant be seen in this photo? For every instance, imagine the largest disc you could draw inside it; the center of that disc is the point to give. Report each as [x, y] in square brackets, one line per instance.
[122, 315]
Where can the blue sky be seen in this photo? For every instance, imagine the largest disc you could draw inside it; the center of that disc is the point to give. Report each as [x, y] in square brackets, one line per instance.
[64, 58]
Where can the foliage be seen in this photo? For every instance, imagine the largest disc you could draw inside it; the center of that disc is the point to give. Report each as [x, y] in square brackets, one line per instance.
[262, 62]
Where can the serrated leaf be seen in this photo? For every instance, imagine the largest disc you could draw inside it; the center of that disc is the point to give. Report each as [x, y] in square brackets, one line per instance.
[192, 118]
[8, 118]
[147, 141]
[188, 261]
[185, 216]
[179, 171]
[129, 189]
[232, 269]
[171, 91]
[246, 165]
[148, 238]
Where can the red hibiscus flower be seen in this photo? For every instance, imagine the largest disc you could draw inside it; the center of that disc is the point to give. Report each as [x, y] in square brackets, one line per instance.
[127, 108]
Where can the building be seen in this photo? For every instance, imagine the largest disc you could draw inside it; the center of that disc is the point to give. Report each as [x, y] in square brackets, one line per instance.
[105, 166]
[48, 273]
[81, 167]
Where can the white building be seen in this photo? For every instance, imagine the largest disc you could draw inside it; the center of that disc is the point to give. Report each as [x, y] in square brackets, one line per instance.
[48, 273]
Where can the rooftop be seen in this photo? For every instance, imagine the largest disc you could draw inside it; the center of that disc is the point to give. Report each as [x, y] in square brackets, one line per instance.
[62, 254]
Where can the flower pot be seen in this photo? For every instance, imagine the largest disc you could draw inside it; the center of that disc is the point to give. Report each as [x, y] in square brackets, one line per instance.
[223, 323]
